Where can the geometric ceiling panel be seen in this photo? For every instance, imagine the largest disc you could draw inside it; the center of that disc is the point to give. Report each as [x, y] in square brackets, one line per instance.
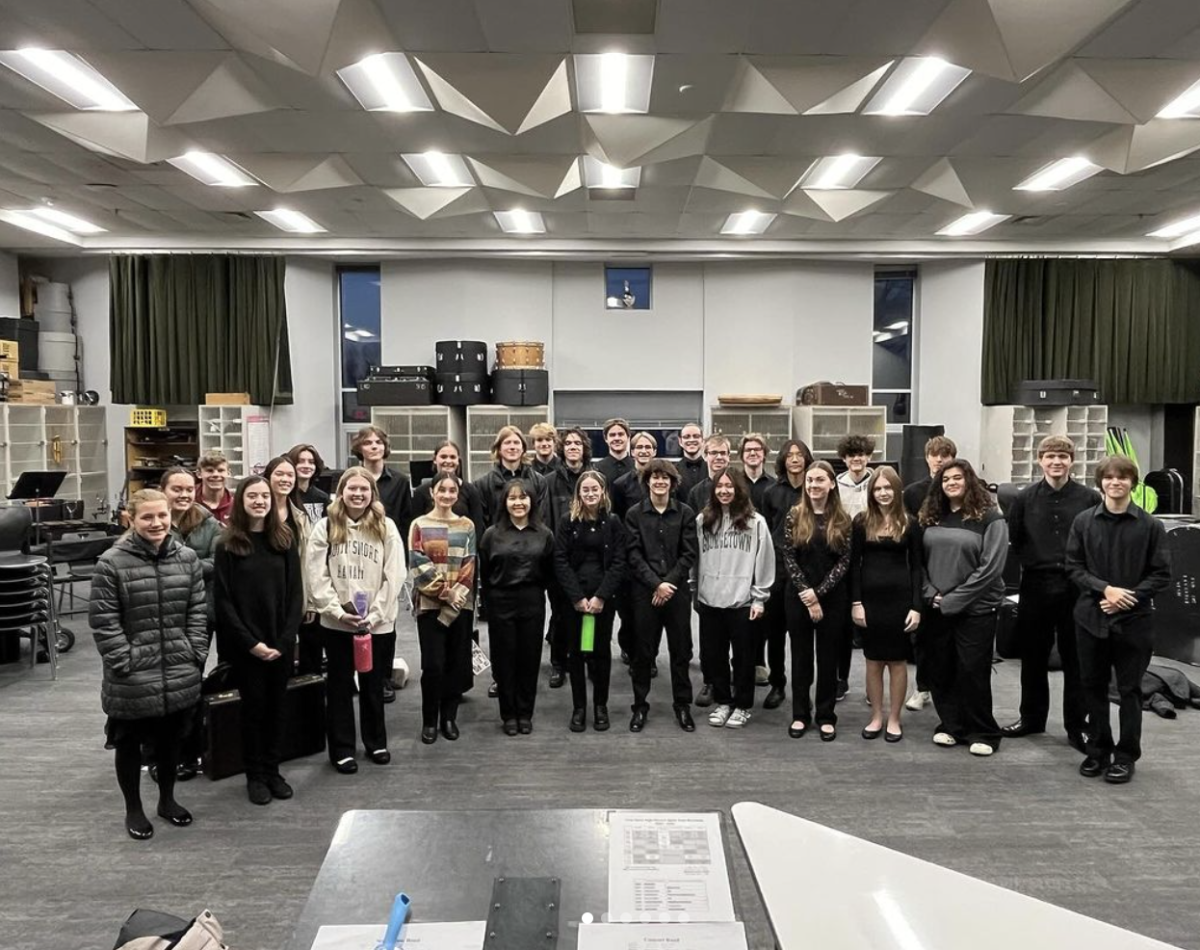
[774, 177]
[294, 173]
[627, 140]
[811, 83]
[232, 89]
[540, 176]
[1070, 92]
[1138, 147]
[941, 181]
[751, 92]
[715, 175]
[357, 30]
[801, 205]
[1143, 86]
[286, 32]
[1013, 39]
[690, 143]
[499, 90]
[850, 98]
[840, 205]
[424, 203]
[128, 135]
[158, 81]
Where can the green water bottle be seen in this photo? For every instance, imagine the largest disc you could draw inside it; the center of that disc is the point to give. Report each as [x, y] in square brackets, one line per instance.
[587, 633]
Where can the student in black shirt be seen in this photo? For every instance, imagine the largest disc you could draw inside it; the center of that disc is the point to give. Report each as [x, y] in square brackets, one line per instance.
[1117, 556]
[308, 464]
[662, 550]
[1039, 521]
[754, 453]
[618, 462]
[692, 467]
[629, 490]
[447, 460]
[716, 457]
[544, 438]
[516, 564]
[508, 452]
[556, 508]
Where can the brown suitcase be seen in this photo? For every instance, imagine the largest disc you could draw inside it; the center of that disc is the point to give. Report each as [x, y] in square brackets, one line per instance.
[826, 393]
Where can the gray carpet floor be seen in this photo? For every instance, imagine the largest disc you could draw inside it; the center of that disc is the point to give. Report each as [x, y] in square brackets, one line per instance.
[1023, 819]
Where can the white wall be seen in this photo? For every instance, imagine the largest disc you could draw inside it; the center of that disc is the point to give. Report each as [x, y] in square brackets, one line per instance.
[310, 290]
[949, 351]
[10, 289]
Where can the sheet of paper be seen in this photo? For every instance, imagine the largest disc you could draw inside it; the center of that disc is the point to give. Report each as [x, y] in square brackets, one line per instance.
[465, 935]
[667, 867]
[662, 937]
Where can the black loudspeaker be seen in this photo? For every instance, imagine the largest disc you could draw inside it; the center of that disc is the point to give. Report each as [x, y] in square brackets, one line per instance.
[1176, 611]
[521, 387]
[912, 451]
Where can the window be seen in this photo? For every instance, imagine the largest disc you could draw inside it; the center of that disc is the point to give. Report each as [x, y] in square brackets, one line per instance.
[892, 384]
[360, 317]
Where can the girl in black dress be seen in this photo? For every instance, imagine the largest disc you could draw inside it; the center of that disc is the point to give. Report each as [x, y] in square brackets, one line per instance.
[885, 590]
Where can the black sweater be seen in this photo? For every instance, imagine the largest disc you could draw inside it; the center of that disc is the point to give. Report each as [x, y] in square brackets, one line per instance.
[511, 557]
[662, 547]
[815, 564]
[557, 496]
[778, 500]
[589, 558]
[259, 597]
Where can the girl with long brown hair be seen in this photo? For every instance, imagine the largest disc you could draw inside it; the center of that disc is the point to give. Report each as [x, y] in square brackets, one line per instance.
[816, 555]
[885, 592]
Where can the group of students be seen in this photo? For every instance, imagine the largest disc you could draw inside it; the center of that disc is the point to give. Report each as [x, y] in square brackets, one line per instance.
[291, 580]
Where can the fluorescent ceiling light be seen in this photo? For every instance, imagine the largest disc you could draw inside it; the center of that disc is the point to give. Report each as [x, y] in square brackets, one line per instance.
[1185, 106]
[747, 222]
[837, 171]
[597, 174]
[386, 82]
[1178, 229]
[916, 87]
[438, 170]
[293, 221]
[613, 82]
[973, 223]
[898, 325]
[520, 222]
[70, 222]
[1060, 175]
[215, 170]
[32, 222]
[68, 77]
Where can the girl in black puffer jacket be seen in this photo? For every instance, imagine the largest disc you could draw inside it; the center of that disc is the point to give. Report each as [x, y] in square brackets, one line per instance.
[149, 617]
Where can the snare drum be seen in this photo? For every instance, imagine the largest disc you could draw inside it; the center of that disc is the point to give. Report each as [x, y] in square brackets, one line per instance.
[520, 355]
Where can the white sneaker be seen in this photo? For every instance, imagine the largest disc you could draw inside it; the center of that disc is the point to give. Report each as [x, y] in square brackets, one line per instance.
[944, 738]
[980, 748]
[762, 676]
[917, 701]
[719, 716]
[737, 719]
[399, 673]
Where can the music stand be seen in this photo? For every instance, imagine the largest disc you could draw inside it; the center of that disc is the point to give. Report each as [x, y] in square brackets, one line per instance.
[34, 486]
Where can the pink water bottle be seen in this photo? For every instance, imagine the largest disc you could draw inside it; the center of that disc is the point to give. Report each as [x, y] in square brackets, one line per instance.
[362, 641]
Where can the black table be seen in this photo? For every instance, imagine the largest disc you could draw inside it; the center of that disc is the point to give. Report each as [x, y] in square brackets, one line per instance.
[446, 861]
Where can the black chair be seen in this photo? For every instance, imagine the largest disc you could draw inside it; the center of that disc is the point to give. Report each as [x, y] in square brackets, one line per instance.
[16, 523]
[27, 604]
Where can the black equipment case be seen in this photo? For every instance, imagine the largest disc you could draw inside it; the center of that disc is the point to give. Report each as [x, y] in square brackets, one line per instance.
[413, 391]
[521, 387]
[464, 357]
[400, 372]
[1058, 392]
[1174, 494]
[463, 389]
[303, 735]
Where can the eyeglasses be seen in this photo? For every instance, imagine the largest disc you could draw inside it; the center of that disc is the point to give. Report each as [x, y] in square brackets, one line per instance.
[752, 450]
[717, 453]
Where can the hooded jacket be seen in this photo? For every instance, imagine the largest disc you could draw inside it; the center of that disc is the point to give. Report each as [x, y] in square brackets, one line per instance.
[149, 616]
[203, 540]
[735, 568]
[337, 572]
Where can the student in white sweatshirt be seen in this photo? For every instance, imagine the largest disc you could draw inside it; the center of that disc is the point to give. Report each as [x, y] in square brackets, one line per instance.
[734, 574]
[355, 557]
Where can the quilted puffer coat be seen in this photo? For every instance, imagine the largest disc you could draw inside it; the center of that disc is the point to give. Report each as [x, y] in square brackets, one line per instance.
[149, 617]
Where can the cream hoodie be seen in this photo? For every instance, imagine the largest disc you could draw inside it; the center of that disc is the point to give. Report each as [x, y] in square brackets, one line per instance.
[336, 573]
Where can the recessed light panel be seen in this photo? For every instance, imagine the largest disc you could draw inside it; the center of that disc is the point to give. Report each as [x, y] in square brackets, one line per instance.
[916, 87]
[1178, 229]
[291, 221]
[1060, 175]
[747, 222]
[837, 171]
[39, 225]
[70, 222]
[1184, 106]
[615, 83]
[68, 77]
[439, 170]
[973, 223]
[600, 175]
[212, 169]
[386, 82]
[520, 222]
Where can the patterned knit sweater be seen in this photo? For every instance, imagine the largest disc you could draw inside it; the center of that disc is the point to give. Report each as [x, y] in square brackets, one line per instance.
[442, 552]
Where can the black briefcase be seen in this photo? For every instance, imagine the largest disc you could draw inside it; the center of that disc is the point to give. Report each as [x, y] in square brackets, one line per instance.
[303, 735]
[1008, 646]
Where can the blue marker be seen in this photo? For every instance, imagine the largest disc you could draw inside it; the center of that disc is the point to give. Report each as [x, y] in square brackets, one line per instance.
[395, 927]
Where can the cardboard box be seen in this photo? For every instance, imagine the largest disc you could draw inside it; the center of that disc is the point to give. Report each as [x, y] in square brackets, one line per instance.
[226, 399]
[10, 366]
[32, 392]
[9, 350]
[833, 394]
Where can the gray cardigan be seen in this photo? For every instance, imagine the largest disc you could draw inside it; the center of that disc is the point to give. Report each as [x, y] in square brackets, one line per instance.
[149, 618]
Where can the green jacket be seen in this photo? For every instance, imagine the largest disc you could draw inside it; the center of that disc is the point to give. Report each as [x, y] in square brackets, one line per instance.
[203, 540]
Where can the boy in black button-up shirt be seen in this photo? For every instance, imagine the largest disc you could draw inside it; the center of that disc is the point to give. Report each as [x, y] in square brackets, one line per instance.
[1117, 555]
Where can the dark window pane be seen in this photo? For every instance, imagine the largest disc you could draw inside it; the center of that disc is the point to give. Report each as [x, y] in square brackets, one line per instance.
[892, 360]
[899, 406]
[361, 320]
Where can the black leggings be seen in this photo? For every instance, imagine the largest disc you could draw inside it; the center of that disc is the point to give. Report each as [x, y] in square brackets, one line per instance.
[164, 734]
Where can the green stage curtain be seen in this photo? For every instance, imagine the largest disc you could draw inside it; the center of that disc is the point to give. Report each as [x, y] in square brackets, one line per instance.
[1131, 325]
[183, 325]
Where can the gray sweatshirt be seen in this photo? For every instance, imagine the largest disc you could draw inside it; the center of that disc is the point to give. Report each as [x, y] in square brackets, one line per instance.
[964, 562]
[735, 568]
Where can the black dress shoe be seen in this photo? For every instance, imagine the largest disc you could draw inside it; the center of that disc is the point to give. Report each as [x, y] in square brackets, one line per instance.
[186, 771]
[179, 816]
[346, 766]
[493, 690]
[624, 657]
[1014, 730]
[830, 735]
[450, 729]
[138, 827]
[638, 721]
[389, 692]
[1091, 767]
[578, 720]
[380, 756]
[524, 726]
[279, 788]
[1118, 773]
[429, 734]
[705, 696]
[600, 718]
[257, 792]
[510, 727]
[843, 687]
[797, 733]
[557, 678]
[683, 716]
[893, 736]
[774, 698]
[871, 733]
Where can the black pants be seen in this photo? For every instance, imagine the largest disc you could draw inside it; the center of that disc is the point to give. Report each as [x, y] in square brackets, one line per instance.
[845, 651]
[920, 661]
[598, 662]
[625, 615]
[193, 743]
[1045, 616]
[1126, 652]
[772, 632]
[724, 630]
[822, 640]
[263, 688]
[516, 622]
[958, 654]
[649, 621]
[310, 649]
[339, 693]
[445, 664]
[562, 620]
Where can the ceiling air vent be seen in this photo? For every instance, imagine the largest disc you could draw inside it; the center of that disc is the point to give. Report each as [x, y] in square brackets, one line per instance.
[614, 16]
[1028, 219]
